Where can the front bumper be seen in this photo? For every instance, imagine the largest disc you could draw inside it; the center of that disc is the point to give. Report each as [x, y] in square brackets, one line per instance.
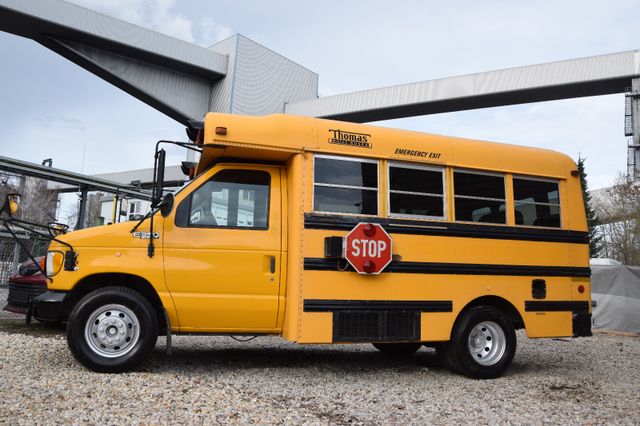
[50, 307]
[22, 291]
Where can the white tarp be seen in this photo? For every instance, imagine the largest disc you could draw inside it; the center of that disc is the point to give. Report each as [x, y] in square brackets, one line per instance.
[616, 291]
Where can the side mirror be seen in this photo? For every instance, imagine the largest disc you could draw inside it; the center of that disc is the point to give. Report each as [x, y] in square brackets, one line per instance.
[57, 229]
[189, 168]
[158, 178]
[11, 204]
[166, 205]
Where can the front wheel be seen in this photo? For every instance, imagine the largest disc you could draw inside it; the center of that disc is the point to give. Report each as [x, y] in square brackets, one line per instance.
[112, 329]
[483, 344]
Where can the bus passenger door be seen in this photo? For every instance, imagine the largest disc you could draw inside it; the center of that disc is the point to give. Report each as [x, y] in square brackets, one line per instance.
[222, 250]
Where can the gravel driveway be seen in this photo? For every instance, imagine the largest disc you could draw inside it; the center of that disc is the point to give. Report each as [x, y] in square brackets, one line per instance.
[268, 380]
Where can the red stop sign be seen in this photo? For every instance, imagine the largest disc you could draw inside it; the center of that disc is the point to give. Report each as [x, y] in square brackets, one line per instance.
[368, 248]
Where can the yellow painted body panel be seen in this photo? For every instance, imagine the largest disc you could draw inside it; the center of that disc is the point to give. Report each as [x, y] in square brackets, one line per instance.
[218, 280]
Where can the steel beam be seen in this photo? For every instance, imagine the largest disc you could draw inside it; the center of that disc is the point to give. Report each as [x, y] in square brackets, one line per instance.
[25, 168]
[633, 153]
[82, 210]
[596, 75]
[171, 75]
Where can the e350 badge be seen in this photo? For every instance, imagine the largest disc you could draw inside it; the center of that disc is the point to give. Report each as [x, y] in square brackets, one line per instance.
[146, 235]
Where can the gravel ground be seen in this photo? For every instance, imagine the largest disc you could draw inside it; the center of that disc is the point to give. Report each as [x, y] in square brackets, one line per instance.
[268, 380]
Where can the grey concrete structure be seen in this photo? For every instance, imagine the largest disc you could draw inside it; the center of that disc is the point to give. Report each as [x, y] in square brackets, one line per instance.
[596, 75]
[180, 79]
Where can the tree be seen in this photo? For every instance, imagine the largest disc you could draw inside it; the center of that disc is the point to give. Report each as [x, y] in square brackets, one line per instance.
[619, 212]
[595, 239]
[38, 203]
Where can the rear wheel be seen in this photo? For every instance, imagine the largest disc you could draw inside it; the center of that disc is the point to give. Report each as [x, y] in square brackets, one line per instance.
[112, 329]
[397, 349]
[482, 346]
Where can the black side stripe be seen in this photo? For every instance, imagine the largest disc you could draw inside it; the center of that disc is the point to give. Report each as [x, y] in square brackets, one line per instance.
[327, 305]
[556, 306]
[448, 229]
[327, 264]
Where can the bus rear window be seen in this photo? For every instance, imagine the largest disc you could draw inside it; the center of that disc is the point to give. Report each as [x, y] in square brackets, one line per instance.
[536, 202]
[342, 185]
[479, 197]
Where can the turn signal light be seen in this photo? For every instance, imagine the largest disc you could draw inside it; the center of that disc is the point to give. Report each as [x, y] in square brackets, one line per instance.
[54, 262]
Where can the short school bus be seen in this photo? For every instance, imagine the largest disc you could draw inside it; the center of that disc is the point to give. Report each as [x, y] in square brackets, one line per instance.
[486, 238]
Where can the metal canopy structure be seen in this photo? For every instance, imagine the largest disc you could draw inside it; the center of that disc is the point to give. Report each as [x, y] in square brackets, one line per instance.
[179, 79]
[77, 181]
[237, 75]
[596, 75]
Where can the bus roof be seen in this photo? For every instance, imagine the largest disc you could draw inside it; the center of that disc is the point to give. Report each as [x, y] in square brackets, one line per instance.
[277, 137]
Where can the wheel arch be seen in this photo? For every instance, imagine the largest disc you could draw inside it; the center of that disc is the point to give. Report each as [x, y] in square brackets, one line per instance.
[500, 303]
[133, 282]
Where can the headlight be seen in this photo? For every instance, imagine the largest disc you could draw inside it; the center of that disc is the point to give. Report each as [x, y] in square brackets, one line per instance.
[55, 260]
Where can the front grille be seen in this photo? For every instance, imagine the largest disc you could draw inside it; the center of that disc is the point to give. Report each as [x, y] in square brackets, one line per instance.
[375, 326]
[20, 294]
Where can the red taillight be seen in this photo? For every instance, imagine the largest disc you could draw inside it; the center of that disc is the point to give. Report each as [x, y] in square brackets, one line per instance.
[580, 289]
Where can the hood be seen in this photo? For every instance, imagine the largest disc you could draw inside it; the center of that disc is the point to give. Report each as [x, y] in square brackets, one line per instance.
[117, 235]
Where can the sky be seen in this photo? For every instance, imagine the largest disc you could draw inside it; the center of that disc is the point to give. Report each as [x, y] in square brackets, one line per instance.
[51, 108]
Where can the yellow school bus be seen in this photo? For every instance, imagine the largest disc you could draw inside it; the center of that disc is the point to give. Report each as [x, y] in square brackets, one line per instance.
[485, 238]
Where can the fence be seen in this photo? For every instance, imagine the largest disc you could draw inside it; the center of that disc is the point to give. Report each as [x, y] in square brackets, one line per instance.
[11, 254]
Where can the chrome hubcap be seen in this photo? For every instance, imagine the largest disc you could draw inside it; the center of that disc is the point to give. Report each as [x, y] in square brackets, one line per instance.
[487, 343]
[112, 330]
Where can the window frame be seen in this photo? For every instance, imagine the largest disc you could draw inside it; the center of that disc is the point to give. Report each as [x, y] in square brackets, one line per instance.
[538, 179]
[331, 185]
[188, 201]
[405, 165]
[470, 197]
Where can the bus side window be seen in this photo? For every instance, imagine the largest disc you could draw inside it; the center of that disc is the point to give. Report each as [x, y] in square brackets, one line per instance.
[345, 185]
[537, 202]
[479, 197]
[416, 191]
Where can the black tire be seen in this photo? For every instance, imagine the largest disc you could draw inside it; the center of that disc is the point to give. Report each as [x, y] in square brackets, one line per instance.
[133, 318]
[490, 354]
[442, 352]
[398, 350]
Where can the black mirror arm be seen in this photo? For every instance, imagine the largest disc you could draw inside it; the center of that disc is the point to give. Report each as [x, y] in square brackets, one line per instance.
[21, 224]
[15, 237]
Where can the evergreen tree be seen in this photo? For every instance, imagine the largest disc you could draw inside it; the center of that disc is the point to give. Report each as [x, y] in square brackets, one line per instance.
[595, 243]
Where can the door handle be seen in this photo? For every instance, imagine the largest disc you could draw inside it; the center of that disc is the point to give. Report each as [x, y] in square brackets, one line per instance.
[272, 264]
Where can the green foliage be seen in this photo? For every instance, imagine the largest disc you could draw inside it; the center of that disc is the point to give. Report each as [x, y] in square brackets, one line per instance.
[595, 240]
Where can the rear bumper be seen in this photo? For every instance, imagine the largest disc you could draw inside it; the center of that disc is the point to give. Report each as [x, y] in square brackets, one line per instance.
[49, 306]
[582, 324]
